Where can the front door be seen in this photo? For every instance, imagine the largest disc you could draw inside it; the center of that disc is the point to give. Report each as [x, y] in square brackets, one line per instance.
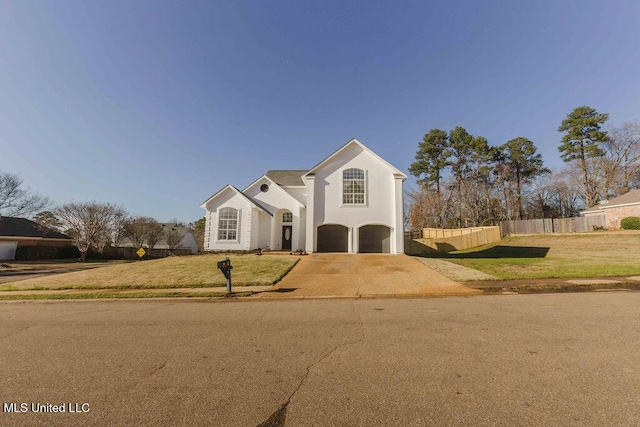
[286, 237]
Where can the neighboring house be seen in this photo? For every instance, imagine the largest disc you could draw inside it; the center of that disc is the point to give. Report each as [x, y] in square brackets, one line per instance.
[616, 209]
[349, 202]
[16, 232]
[187, 239]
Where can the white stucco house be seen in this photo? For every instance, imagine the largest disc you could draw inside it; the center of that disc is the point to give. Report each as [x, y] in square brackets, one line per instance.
[349, 202]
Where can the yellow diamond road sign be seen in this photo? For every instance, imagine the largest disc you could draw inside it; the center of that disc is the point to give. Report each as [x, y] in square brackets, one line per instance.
[141, 252]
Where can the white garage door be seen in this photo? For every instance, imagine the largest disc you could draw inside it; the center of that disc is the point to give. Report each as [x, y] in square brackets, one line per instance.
[8, 250]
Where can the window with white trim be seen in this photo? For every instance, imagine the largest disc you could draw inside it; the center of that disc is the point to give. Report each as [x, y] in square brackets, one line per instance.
[287, 217]
[353, 187]
[228, 224]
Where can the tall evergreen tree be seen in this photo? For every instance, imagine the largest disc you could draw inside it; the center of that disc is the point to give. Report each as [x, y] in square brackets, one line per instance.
[480, 200]
[583, 140]
[431, 158]
[523, 165]
[461, 144]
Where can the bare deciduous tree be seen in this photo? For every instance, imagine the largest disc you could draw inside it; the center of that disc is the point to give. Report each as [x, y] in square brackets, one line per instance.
[119, 222]
[48, 219]
[135, 230]
[556, 195]
[111, 231]
[173, 237]
[430, 209]
[143, 231]
[89, 225]
[197, 227]
[623, 152]
[154, 233]
[16, 200]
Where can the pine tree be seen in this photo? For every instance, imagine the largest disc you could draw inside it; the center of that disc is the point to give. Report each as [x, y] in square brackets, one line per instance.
[523, 165]
[582, 141]
[431, 158]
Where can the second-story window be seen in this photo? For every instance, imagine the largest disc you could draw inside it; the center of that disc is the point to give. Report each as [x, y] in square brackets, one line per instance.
[353, 187]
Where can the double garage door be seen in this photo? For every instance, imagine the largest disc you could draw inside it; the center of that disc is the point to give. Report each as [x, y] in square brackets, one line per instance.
[371, 239]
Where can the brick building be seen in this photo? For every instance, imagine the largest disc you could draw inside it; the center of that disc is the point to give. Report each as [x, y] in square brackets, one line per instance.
[616, 209]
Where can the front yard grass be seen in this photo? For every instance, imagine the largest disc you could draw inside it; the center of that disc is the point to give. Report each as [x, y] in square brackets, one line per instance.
[599, 254]
[173, 272]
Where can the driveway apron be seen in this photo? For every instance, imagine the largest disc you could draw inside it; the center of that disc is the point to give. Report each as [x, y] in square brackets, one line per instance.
[363, 275]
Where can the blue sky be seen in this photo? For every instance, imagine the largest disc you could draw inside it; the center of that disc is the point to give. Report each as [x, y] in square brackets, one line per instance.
[155, 105]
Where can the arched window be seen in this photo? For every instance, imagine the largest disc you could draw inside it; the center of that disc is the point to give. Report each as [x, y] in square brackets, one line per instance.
[228, 224]
[287, 217]
[353, 187]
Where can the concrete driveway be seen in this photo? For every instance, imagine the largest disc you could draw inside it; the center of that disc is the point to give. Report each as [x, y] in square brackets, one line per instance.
[363, 275]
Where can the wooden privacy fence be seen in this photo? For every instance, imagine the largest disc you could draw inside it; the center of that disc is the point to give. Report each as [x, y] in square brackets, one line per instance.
[552, 225]
[417, 234]
[450, 239]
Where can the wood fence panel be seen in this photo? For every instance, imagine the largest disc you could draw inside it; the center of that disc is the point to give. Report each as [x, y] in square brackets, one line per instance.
[555, 225]
[447, 240]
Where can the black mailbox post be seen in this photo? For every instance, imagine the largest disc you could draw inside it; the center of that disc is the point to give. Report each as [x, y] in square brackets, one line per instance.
[225, 266]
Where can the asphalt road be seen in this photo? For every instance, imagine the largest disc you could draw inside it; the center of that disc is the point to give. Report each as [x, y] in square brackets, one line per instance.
[559, 359]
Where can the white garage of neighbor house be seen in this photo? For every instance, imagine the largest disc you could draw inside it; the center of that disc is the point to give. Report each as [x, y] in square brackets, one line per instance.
[349, 202]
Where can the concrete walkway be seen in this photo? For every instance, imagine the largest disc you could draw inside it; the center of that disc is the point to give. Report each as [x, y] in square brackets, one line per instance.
[363, 275]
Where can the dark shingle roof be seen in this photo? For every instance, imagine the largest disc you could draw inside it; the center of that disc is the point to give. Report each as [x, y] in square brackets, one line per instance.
[22, 227]
[287, 177]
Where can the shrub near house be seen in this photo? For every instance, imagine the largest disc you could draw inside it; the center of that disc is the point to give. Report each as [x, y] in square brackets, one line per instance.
[630, 223]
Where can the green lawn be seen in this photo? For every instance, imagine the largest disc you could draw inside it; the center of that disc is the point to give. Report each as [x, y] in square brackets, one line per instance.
[548, 256]
[172, 272]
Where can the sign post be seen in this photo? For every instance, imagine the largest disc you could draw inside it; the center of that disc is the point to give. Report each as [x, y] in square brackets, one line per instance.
[225, 266]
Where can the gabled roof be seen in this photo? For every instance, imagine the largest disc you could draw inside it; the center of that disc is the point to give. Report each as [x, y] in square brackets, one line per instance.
[276, 188]
[287, 178]
[629, 198]
[182, 230]
[352, 142]
[22, 227]
[240, 193]
[632, 196]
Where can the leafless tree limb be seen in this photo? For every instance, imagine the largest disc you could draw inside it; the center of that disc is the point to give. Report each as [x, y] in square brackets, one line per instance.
[16, 200]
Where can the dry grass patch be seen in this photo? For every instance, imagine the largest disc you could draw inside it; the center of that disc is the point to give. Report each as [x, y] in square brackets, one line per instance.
[172, 272]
